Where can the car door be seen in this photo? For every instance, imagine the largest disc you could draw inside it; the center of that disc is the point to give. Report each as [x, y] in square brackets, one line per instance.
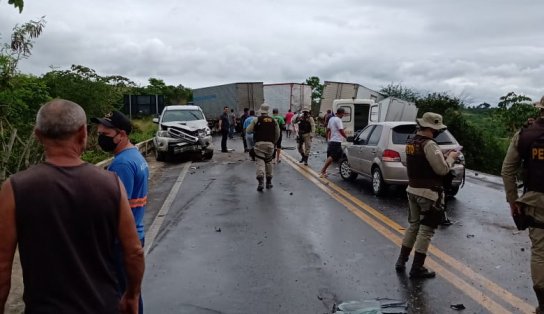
[355, 151]
[369, 151]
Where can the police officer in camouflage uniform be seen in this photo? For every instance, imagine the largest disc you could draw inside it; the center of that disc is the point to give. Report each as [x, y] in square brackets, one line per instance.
[306, 131]
[527, 149]
[266, 133]
[426, 168]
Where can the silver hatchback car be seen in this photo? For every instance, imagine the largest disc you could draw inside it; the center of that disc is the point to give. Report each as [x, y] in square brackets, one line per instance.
[378, 153]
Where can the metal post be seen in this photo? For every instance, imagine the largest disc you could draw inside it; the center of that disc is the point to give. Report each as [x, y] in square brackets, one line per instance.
[130, 106]
[156, 104]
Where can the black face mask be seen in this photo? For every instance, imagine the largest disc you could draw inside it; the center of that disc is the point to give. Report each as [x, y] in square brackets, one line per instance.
[437, 132]
[106, 143]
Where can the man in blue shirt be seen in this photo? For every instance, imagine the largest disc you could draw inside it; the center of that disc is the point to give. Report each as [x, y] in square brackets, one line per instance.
[132, 169]
[249, 136]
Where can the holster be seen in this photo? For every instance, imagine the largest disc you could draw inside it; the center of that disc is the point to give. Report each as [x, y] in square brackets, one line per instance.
[524, 221]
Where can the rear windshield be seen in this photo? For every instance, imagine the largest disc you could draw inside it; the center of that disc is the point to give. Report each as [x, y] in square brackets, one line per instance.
[182, 115]
[403, 133]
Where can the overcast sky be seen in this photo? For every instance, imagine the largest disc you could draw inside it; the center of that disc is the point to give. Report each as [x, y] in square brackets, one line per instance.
[476, 50]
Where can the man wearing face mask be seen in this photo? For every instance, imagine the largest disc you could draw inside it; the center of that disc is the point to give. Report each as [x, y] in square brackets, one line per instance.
[132, 169]
[426, 168]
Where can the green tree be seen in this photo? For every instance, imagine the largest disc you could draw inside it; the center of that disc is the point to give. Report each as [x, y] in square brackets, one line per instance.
[317, 91]
[95, 93]
[437, 103]
[514, 110]
[399, 91]
[173, 95]
[19, 4]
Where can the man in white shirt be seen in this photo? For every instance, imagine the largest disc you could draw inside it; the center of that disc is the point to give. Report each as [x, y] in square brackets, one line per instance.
[335, 137]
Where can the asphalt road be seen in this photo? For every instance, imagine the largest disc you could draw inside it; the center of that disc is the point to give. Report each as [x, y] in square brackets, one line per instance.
[215, 245]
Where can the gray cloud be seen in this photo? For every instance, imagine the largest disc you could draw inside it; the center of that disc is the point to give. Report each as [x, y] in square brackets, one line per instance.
[478, 50]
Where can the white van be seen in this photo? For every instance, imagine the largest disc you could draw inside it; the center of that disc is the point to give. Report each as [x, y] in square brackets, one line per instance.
[361, 112]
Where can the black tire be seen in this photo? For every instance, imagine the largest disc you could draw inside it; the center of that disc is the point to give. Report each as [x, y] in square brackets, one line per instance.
[208, 154]
[160, 156]
[345, 170]
[379, 187]
[451, 192]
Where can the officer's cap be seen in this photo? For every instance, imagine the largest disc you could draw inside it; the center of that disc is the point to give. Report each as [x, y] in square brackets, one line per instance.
[431, 120]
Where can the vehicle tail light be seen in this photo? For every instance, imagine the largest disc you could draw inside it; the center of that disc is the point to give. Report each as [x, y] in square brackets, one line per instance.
[390, 155]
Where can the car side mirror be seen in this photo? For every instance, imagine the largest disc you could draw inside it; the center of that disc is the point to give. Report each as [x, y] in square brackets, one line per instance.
[155, 120]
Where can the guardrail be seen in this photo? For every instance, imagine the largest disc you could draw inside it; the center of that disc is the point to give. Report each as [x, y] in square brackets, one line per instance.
[144, 147]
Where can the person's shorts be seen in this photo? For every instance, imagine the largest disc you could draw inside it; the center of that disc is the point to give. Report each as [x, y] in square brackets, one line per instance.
[334, 150]
[278, 144]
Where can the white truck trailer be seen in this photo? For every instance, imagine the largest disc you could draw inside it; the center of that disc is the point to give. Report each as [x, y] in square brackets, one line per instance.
[361, 112]
[287, 96]
[236, 96]
[340, 90]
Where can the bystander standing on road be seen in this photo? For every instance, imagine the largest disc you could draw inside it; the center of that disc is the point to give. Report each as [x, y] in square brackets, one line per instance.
[224, 127]
[65, 216]
[306, 132]
[249, 135]
[266, 133]
[132, 169]
[289, 123]
[243, 118]
[335, 136]
[426, 167]
[232, 124]
[526, 151]
[281, 123]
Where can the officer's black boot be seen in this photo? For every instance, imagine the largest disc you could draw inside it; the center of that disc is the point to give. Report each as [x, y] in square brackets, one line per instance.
[260, 187]
[418, 271]
[306, 160]
[269, 183]
[540, 297]
[400, 265]
[302, 159]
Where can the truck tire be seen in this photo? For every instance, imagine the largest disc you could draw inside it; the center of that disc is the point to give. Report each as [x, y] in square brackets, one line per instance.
[160, 156]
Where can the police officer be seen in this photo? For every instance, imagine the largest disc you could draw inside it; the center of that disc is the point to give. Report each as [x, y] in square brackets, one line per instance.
[306, 131]
[527, 149]
[266, 133]
[426, 167]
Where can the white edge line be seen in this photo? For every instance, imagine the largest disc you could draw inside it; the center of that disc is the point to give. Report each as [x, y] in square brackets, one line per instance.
[159, 219]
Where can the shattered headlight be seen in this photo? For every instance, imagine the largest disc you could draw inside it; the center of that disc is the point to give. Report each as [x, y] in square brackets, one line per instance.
[162, 134]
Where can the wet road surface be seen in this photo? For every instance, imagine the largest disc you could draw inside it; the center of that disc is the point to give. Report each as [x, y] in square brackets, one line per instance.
[310, 243]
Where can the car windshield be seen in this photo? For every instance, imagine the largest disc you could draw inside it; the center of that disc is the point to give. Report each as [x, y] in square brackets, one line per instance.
[402, 133]
[182, 115]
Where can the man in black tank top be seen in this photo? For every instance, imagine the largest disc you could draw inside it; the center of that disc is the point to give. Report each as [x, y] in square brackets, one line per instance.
[65, 215]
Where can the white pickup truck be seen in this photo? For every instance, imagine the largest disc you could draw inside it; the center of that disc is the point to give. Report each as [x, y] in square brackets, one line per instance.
[182, 129]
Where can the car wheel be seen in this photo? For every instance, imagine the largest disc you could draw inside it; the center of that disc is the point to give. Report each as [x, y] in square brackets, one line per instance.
[160, 156]
[345, 171]
[208, 154]
[451, 192]
[379, 187]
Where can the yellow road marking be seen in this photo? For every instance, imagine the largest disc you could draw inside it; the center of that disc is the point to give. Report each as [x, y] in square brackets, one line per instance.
[465, 270]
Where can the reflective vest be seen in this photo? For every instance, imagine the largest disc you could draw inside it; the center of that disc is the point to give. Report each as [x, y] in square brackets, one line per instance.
[531, 150]
[420, 172]
[265, 129]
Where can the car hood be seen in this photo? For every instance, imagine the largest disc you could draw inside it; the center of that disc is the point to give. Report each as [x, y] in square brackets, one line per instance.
[189, 125]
